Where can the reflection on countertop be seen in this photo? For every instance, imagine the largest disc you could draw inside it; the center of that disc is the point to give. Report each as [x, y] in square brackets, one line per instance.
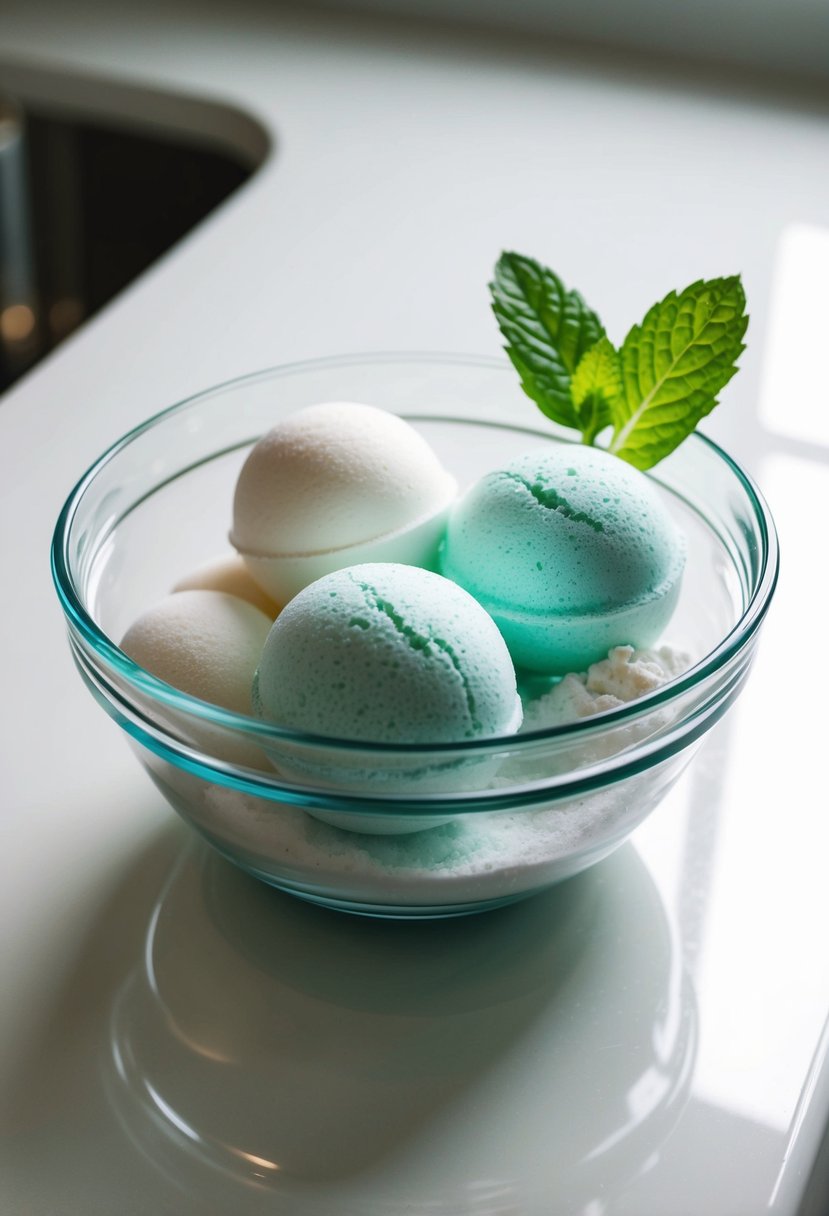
[297, 1051]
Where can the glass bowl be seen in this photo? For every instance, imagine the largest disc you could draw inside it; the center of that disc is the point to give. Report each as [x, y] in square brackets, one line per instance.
[387, 830]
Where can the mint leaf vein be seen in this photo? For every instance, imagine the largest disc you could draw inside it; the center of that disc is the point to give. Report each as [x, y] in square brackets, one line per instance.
[673, 366]
[547, 331]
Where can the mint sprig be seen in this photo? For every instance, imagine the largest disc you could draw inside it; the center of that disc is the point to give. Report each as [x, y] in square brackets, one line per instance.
[653, 391]
[674, 365]
[547, 329]
[597, 389]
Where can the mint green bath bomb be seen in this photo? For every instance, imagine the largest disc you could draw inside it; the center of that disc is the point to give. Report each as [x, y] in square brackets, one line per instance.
[571, 551]
[387, 653]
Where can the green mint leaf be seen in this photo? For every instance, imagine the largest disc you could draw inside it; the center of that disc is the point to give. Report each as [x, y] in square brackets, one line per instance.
[596, 388]
[673, 366]
[547, 331]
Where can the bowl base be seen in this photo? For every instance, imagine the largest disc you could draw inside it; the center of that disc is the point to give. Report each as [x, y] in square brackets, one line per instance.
[387, 911]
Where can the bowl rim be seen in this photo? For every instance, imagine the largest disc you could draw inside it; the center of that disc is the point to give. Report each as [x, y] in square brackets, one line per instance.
[79, 619]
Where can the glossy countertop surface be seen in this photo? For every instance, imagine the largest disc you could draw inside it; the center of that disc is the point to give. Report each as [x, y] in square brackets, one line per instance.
[648, 1038]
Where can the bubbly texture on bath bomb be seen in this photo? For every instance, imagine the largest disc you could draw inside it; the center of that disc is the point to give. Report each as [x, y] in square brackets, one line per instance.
[205, 643]
[571, 551]
[334, 485]
[387, 653]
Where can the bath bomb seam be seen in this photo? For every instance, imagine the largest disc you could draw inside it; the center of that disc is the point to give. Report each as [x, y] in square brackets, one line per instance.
[284, 554]
[422, 642]
[549, 499]
[495, 605]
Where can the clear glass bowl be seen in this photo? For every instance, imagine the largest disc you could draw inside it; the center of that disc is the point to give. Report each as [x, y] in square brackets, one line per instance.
[496, 820]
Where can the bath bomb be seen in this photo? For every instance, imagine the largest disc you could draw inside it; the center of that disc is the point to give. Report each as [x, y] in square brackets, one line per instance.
[229, 574]
[386, 653]
[334, 485]
[571, 551]
[205, 643]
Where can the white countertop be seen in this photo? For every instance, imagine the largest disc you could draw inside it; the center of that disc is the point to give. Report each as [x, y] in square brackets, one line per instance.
[650, 1038]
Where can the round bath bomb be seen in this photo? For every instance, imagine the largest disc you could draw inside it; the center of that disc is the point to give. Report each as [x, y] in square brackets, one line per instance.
[571, 551]
[231, 575]
[334, 485]
[205, 643]
[386, 653]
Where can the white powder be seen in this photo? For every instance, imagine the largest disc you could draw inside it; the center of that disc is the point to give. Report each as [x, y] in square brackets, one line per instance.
[480, 856]
[624, 675]
[474, 857]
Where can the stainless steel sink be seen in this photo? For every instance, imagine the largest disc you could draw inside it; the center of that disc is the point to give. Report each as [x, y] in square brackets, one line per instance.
[98, 180]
